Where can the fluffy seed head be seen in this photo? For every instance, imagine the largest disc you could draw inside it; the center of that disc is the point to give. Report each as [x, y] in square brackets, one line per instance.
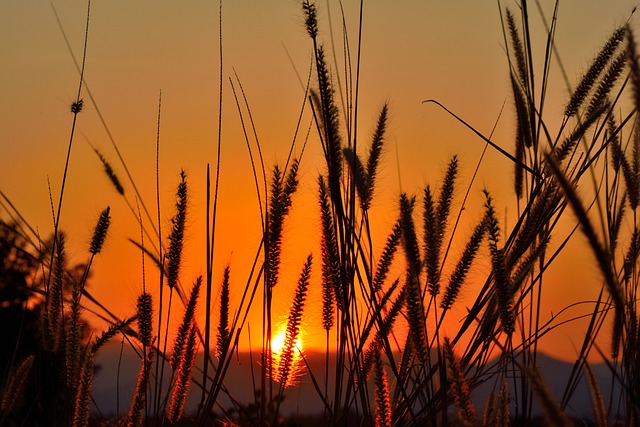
[76, 106]
[100, 232]
[311, 18]
[115, 181]
[145, 318]
[176, 238]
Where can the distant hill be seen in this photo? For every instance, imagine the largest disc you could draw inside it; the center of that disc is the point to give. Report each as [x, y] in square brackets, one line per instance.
[303, 399]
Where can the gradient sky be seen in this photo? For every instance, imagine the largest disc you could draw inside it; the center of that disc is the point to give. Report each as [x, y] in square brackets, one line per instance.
[411, 51]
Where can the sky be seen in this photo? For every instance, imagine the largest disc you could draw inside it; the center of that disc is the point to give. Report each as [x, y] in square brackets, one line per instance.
[412, 50]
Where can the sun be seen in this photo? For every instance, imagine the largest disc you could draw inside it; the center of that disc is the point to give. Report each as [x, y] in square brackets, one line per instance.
[277, 342]
[288, 367]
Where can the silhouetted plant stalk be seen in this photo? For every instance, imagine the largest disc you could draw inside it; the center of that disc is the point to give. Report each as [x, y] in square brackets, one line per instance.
[287, 355]
[383, 404]
[180, 342]
[136, 411]
[16, 385]
[415, 305]
[459, 386]
[184, 368]
[82, 408]
[224, 335]
[503, 413]
[464, 265]
[501, 275]
[76, 108]
[176, 237]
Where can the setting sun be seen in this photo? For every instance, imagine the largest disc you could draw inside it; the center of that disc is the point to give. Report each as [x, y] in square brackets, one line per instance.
[277, 343]
[287, 364]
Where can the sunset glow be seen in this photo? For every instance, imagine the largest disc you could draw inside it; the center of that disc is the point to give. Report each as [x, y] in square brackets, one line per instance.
[277, 343]
[411, 52]
[281, 358]
[375, 179]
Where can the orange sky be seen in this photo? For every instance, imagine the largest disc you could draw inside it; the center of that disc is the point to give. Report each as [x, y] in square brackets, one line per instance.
[412, 50]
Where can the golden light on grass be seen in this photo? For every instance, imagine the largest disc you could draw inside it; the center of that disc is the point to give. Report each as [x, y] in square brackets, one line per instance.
[277, 343]
[278, 350]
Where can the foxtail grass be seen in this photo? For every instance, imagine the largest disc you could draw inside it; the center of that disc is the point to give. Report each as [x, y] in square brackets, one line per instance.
[184, 369]
[224, 335]
[176, 237]
[292, 331]
[82, 408]
[136, 411]
[383, 404]
[459, 387]
[180, 343]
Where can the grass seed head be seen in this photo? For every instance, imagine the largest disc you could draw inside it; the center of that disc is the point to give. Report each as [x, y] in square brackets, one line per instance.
[176, 238]
[145, 318]
[76, 106]
[100, 232]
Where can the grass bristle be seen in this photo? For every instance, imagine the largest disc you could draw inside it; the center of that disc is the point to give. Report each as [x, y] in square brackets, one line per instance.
[616, 335]
[224, 336]
[388, 254]
[599, 408]
[73, 338]
[359, 176]
[282, 190]
[552, 412]
[431, 232]
[570, 142]
[500, 274]
[82, 408]
[329, 247]
[383, 402]
[136, 412]
[489, 414]
[462, 268]
[524, 268]
[328, 301]
[100, 232]
[518, 171]
[54, 309]
[16, 384]
[634, 67]
[375, 152]
[459, 387]
[176, 237]
[108, 170]
[631, 256]
[503, 413]
[311, 18]
[607, 83]
[331, 139]
[602, 256]
[76, 106]
[110, 333]
[181, 386]
[179, 344]
[518, 48]
[414, 302]
[442, 214]
[294, 320]
[386, 328]
[594, 71]
[540, 212]
[144, 307]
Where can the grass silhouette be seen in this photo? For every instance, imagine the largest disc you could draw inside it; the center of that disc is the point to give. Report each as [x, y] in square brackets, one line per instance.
[393, 362]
